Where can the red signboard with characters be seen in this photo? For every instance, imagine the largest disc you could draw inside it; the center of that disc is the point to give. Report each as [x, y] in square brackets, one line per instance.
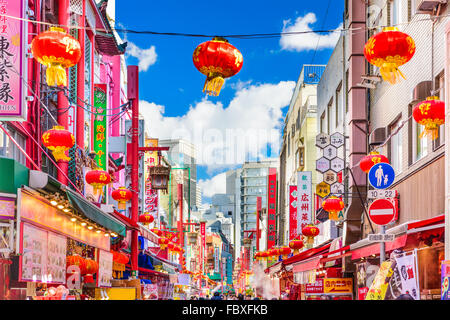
[314, 288]
[271, 207]
[293, 231]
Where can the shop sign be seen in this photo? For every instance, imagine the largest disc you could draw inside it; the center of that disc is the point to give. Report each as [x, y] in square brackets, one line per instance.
[337, 139]
[272, 207]
[330, 177]
[43, 256]
[338, 285]
[322, 140]
[322, 165]
[445, 275]
[151, 195]
[362, 292]
[330, 152]
[293, 232]
[380, 237]
[337, 165]
[105, 268]
[407, 270]
[377, 290]
[316, 287]
[337, 188]
[38, 212]
[304, 198]
[7, 208]
[366, 273]
[13, 49]
[322, 189]
[203, 245]
[100, 125]
[381, 194]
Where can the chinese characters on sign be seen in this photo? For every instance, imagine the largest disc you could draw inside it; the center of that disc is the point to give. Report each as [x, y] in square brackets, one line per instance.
[100, 125]
[304, 199]
[151, 195]
[12, 61]
[271, 207]
[293, 232]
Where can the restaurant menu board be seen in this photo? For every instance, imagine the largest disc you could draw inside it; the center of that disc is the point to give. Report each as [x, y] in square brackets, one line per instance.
[33, 265]
[56, 257]
[105, 266]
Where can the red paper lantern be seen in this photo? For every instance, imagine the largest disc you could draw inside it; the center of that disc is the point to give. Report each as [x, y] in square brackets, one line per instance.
[58, 140]
[370, 160]
[284, 251]
[310, 232]
[146, 218]
[431, 114]
[91, 269]
[156, 231]
[57, 50]
[388, 50]
[122, 258]
[76, 260]
[333, 206]
[163, 243]
[296, 245]
[122, 195]
[98, 179]
[217, 59]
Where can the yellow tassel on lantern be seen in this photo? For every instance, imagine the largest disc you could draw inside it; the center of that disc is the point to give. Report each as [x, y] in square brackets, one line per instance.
[213, 84]
[390, 72]
[431, 129]
[56, 74]
[122, 205]
[59, 153]
[333, 215]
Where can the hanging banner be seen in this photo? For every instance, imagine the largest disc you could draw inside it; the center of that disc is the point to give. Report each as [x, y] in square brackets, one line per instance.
[13, 62]
[7, 208]
[105, 269]
[304, 199]
[377, 290]
[151, 196]
[100, 126]
[202, 245]
[407, 271]
[271, 207]
[293, 217]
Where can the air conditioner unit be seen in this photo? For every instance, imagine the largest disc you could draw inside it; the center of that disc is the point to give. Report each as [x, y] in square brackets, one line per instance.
[377, 137]
[429, 6]
[422, 90]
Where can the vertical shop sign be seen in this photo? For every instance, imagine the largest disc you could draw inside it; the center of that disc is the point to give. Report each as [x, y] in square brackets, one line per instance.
[151, 196]
[293, 231]
[304, 199]
[377, 290]
[105, 268]
[271, 207]
[100, 125]
[7, 207]
[216, 260]
[202, 245]
[445, 275]
[406, 269]
[13, 61]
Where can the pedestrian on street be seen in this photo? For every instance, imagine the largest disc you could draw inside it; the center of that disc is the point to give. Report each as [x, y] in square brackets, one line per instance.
[216, 296]
[240, 296]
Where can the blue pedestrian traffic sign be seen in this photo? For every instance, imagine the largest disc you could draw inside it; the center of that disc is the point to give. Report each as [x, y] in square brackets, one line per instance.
[381, 175]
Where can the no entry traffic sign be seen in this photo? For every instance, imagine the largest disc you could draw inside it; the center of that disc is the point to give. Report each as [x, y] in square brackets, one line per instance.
[381, 212]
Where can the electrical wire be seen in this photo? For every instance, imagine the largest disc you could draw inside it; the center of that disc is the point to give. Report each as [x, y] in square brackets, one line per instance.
[323, 25]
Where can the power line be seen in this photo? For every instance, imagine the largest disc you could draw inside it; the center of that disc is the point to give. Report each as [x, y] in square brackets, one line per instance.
[323, 25]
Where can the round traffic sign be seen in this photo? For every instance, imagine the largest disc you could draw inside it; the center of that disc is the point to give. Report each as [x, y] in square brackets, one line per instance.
[381, 175]
[381, 212]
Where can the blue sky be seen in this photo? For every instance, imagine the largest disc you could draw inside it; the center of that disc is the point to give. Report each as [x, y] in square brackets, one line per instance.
[171, 87]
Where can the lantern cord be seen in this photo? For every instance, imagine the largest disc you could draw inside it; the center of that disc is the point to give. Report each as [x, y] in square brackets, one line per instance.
[236, 36]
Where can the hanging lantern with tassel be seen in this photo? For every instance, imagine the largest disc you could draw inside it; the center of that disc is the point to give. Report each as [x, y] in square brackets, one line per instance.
[372, 159]
[388, 50]
[431, 114]
[217, 59]
[91, 269]
[98, 179]
[333, 206]
[57, 50]
[296, 245]
[146, 218]
[310, 231]
[58, 140]
[163, 243]
[122, 195]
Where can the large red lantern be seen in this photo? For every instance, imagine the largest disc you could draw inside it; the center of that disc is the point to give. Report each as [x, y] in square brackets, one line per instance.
[98, 179]
[57, 50]
[122, 195]
[78, 261]
[296, 245]
[388, 50]
[156, 231]
[91, 269]
[163, 243]
[58, 140]
[146, 218]
[333, 206]
[217, 59]
[310, 231]
[370, 160]
[284, 251]
[431, 114]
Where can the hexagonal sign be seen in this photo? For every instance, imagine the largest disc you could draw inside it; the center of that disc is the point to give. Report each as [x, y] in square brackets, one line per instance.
[322, 140]
[322, 189]
[330, 152]
[337, 139]
[330, 177]
[337, 165]
[337, 188]
[322, 165]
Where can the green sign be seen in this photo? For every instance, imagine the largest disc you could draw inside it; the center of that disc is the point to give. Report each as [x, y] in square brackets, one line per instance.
[100, 125]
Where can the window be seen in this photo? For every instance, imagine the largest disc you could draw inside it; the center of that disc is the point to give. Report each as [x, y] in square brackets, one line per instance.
[396, 12]
[322, 122]
[8, 149]
[395, 146]
[420, 145]
[329, 117]
[439, 84]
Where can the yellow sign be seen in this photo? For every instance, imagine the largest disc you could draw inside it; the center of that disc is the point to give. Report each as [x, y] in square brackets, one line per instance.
[338, 285]
[323, 189]
[377, 290]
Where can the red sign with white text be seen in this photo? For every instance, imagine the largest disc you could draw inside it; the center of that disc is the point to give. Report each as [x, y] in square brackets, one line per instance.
[316, 287]
[293, 231]
[271, 207]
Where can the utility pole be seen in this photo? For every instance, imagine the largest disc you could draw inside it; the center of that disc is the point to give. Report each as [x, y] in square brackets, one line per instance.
[133, 96]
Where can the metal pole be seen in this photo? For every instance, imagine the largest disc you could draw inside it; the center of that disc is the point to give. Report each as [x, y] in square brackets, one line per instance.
[133, 95]
[258, 211]
[382, 246]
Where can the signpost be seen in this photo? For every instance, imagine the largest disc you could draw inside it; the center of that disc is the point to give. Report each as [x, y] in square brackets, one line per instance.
[380, 237]
[381, 194]
[322, 140]
[322, 165]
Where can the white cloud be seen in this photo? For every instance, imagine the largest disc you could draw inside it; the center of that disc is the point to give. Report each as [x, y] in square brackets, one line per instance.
[306, 41]
[216, 184]
[146, 57]
[227, 136]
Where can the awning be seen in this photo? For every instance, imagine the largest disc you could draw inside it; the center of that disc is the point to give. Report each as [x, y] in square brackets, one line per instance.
[311, 264]
[95, 214]
[147, 234]
[435, 222]
[399, 242]
[124, 219]
[307, 254]
[273, 268]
